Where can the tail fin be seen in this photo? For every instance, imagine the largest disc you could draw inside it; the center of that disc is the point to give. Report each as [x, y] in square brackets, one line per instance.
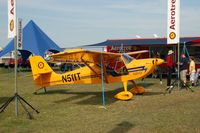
[39, 68]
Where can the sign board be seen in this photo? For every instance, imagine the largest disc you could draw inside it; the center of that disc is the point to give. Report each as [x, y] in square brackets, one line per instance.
[11, 18]
[173, 24]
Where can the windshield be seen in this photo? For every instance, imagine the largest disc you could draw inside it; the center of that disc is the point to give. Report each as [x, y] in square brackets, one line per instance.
[127, 58]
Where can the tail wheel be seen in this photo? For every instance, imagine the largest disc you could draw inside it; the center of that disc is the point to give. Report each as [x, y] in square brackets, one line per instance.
[137, 90]
[124, 95]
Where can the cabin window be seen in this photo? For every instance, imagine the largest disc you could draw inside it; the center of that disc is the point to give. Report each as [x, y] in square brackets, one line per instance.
[127, 58]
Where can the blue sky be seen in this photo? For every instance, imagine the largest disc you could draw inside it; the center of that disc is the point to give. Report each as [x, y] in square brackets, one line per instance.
[81, 22]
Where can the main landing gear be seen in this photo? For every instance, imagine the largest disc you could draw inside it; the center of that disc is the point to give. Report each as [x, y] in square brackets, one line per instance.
[137, 89]
[127, 95]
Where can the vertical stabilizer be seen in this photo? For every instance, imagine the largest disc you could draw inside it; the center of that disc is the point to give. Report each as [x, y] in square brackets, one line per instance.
[40, 69]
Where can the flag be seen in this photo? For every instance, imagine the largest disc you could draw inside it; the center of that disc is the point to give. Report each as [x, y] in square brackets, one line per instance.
[173, 24]
[11, 18]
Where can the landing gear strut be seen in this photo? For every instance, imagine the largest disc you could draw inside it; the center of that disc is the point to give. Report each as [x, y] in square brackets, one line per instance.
[127, 95]
[137, 89]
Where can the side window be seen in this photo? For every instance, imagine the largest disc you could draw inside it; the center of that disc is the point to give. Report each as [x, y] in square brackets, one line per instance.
[127, 58]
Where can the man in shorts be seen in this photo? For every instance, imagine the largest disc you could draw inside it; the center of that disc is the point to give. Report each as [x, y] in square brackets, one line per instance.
[192, 70]
[183, 69]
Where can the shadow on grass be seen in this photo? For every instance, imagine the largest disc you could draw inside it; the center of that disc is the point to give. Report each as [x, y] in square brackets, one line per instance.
[51, 92]
[95, 98]
[123, 127]
[145, 85]
[88, 98]
[3, 100]
[152, 93]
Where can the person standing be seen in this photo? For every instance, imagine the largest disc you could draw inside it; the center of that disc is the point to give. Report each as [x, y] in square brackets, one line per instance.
[192, 70]
[183, 69]
[169, 61]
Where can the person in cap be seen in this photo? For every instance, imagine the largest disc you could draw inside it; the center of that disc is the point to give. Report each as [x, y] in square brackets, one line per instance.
[169, 61]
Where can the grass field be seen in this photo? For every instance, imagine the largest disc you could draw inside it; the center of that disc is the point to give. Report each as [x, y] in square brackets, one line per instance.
[77, 109]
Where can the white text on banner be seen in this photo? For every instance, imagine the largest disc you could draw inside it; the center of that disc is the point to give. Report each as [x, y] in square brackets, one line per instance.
[173, 25]
[20, 33]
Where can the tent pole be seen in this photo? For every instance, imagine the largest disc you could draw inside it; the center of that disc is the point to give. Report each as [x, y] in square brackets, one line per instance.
[102, 79]
[178, 66]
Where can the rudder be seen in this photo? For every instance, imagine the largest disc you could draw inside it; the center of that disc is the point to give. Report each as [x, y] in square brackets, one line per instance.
[39, 66]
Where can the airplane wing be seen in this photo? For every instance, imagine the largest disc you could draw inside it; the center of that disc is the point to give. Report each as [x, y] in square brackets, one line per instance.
[83, 56]
[137, 52]
[86, 56]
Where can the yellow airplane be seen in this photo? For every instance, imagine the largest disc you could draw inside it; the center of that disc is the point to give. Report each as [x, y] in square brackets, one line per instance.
[90, 70]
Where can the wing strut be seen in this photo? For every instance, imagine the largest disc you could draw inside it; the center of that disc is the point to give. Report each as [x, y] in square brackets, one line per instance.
[90, 67]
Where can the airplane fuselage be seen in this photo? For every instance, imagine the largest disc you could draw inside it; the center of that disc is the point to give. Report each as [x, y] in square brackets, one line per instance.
[91, 74]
